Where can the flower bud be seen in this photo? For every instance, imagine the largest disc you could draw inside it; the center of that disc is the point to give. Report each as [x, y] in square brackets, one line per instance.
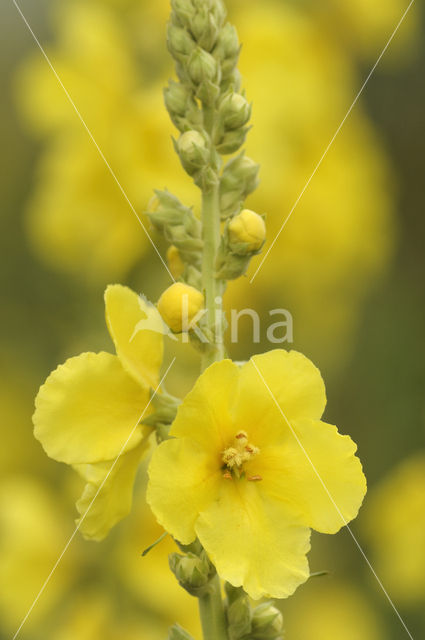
[235, 111]
[231, 141]
[239, 179]
[175, 262]
[192, 571]
[179, 306]
[178, 633]
[227, 49]
[239, 615]
[202, 66]
[248, 229]
[205, 28]
[267, 623]
[176, 98]
[179, 41]
[193, 152]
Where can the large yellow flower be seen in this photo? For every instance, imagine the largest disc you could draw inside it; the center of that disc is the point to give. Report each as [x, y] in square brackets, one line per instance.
[89, 409]
[236, 476]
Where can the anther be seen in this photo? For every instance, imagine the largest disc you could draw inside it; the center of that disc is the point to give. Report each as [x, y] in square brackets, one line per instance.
[227, 475]
[254, 478]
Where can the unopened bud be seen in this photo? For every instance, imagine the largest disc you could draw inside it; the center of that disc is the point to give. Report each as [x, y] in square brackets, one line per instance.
[177, 98]
[239, 617]
[192, 571]
[267, 623]
[202, 66]
[179, 306]
[175, 262]
[235, 111]
[247, 229]
[179, 41]
[205, 28]
[231, 141]
[239, 179]
[193, 152]
[227, 49]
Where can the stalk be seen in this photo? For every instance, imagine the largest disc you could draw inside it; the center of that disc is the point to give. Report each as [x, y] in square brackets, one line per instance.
[211, 238]
[211, 611]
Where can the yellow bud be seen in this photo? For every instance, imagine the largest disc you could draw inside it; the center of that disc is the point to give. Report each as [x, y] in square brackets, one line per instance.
[178, 306]
[175, 262]
[247, 227]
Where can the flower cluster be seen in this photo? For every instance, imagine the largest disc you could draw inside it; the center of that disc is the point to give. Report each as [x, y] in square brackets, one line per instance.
[244, 467]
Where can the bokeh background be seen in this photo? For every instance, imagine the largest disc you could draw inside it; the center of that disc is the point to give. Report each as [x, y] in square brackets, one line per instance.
[349, 266]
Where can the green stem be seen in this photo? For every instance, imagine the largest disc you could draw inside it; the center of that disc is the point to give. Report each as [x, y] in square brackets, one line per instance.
[212, 615]
[211, 237]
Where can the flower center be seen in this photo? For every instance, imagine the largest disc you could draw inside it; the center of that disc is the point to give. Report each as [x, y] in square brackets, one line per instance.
[236, 455]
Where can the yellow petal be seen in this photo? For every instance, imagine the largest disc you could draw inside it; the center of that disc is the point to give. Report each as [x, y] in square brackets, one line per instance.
[288, 474]
[254, 541]
[290, 379]
[87, 409]
[205, 414]
[108, 494]
[183, 478]
[137, 330]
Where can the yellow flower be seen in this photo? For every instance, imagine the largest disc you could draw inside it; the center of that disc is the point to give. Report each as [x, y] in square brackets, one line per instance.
[32, 537]
[336, 610]
[395, 526]
[247, 227]
[236, 476]
[179, 306]
[88, 410]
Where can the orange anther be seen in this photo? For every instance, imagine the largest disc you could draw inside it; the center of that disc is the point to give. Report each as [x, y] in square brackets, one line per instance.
[254, 478]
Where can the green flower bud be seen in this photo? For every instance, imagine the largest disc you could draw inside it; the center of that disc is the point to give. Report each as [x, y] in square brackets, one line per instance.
[267, 623]
[193, 572]
[235, 111]
[239, 614]
[205, 29]
[202, 66]
[241, 172]
[193, 151]
[239, 179]
[232, 141]
[227, 49]
[179, 41]
[165, 407]
[182, 11]
[176, 98]
[178, 633]
[178, 224]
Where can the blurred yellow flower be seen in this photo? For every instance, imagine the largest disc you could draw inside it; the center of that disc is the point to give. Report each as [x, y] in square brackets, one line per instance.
[328, 609]
[340, 236]
[78, 219]
[235, 476]
[395, 525]
[148, 577]
[32, 536]
[88, 411]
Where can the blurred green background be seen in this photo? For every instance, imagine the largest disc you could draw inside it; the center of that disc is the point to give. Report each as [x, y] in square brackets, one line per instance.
[349, 266]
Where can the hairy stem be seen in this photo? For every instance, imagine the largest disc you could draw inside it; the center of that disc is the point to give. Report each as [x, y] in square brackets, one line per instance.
[212, 615]
[211, 237]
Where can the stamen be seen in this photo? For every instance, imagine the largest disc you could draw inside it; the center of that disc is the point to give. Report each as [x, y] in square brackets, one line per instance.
[254, 478]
